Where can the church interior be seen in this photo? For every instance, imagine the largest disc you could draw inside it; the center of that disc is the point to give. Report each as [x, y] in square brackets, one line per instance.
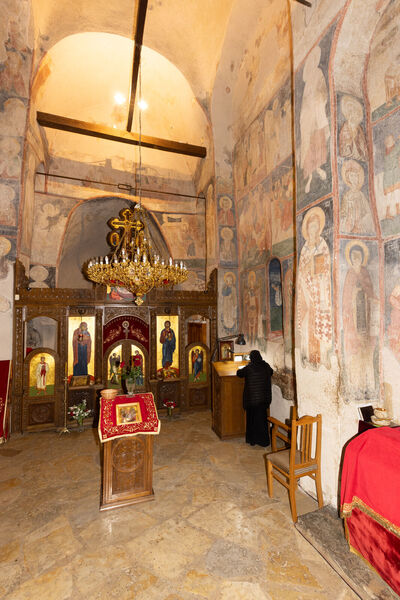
[247, 152]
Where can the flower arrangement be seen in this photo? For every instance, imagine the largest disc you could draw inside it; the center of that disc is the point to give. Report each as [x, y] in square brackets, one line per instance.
[170, 405]
[131, 373]
[79, 412]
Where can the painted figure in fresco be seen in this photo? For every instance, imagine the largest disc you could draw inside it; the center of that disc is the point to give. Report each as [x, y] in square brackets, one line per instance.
[114, 361]
[252, 306]
[393, 331]
[41, 375]
[82, 348]
[197, 364]
[314, 306]
[287, 309]
[227, 248]
[168, 341]
[225, 212]
[352, 142]
[137, 361]
[392, 83]
[355, 212]
[391, 176]
[358, 300]
[314, 125]
[229, 302]
[33, 337]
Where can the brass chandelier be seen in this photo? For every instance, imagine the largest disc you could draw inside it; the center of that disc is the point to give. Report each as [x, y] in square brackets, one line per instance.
[133, 264]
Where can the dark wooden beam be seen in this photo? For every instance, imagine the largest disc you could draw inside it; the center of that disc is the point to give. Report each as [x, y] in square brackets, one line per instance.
[138, 28]
[118, 135]
[305, 2]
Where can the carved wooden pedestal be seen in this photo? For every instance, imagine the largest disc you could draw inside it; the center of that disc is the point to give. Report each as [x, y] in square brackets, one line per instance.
[127, 471]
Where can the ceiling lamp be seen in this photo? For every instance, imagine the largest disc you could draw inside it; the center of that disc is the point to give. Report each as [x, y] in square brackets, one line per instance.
[132, 264]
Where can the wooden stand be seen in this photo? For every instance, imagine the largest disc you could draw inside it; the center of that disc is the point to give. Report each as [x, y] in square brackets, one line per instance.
[228, 416]
[127, 471]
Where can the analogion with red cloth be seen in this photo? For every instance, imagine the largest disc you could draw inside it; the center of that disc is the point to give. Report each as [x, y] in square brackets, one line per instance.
[128, 415]
[5, 371]
[370, 505]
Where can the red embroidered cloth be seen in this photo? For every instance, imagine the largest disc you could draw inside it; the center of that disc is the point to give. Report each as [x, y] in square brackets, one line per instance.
[5, 371]
[370, 500]
[128, 415]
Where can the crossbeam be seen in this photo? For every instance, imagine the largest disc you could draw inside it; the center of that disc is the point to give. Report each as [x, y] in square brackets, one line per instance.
[118, 135]
[138, 29]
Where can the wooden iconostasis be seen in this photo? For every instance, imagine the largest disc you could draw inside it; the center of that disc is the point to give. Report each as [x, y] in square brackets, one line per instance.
[70, 344]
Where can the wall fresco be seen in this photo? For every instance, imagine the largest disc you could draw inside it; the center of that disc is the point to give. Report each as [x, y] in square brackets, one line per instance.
[253, 295]
[228, 313]
[254, 227]
[275, 296]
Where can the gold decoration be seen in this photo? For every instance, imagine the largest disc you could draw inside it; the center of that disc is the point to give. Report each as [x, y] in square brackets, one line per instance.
[133, 264]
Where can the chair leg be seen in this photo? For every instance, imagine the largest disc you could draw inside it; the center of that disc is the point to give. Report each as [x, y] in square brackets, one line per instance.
[292, 499]
[270, 484]
[319, 489]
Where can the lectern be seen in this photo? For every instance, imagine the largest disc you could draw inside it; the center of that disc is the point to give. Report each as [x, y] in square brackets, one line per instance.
[228, 415]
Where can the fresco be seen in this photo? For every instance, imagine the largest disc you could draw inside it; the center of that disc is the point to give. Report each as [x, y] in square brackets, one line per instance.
[167, 335]
[226, 214]
[184, 235]
[392, 297]
[8, 213]
[386, 136]
[352, 142]
[355, 210]
[197, 365]
[228, 301]
[253, 294]
[314, 317]
[227, 246]
[49, 220]
[288, 303]
[6, 297]
[42, 375]
[312, 123]
[211, 229]
[360, 318]
[40, 332]
[41, 276]
[278, 128]
[254, 227]
[282, 202]
[275, 296]
[81, 346]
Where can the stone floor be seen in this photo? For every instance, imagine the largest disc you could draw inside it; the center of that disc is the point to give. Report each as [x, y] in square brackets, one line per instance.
[212, 532]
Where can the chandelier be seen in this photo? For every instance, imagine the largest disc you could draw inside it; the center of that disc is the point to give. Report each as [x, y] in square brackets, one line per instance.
[132, 263]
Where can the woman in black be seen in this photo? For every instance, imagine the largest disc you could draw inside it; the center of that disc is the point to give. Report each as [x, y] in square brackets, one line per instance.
[256, 398]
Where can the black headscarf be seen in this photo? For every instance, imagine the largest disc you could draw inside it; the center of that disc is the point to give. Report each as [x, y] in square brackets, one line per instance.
[255, 356]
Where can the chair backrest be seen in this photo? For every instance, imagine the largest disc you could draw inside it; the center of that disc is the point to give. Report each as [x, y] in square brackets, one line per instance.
[302, 450]
[281, 430]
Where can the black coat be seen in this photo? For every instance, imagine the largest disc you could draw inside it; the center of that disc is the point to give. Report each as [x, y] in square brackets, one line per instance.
[257, 386]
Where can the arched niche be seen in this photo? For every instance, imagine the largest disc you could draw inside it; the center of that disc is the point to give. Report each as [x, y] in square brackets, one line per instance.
[275, 298]
[127, 352]
[85, 236]
[40, 332]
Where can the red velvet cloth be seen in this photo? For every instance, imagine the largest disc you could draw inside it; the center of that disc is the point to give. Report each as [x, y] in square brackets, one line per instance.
[5, 371]
[370, 500]
[113, 413]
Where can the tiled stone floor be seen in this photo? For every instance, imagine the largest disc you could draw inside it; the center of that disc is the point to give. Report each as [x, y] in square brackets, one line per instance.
[212, 532]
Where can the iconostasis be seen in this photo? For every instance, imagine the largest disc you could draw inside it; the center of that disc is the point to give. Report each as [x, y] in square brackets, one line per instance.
[70, 344]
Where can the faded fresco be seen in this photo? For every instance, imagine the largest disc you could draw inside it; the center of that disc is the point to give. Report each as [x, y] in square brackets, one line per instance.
[275, 296]
[6, 297]
[184, 234]
[40, 332]
[253, 294]
[392, 297]
[254, 227]
[360, 318]
[42, 375]
[281, 182]
[288, 303]
[227, 246]
[314, 316]
[228, 312]
[312, 125]
[386, 135]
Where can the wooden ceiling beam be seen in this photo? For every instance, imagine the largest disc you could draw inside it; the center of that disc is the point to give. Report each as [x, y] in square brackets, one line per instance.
[138, 29]
[118, 135]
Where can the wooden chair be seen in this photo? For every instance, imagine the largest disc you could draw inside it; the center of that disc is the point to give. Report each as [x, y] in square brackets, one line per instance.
[288, 465]
[281, 430]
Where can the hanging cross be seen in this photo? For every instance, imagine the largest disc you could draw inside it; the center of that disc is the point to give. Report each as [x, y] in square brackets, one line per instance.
[127, 223]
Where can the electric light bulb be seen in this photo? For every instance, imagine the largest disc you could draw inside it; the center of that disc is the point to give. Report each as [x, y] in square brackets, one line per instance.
[119, 98]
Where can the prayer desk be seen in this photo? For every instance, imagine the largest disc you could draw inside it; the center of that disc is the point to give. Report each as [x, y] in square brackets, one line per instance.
[370, 492]
[126, 427]
[228, 415]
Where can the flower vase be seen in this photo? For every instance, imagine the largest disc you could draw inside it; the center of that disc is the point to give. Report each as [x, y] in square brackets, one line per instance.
[81, 426]
[130, 387]
[169, 409]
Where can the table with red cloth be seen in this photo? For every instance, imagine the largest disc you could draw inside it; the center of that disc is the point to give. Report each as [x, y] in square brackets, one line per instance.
[370, 500]
[127, 425]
